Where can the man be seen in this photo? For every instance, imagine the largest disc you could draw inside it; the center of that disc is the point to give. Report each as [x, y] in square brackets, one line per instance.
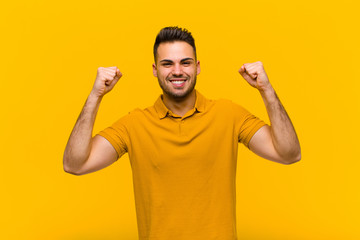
[182, 150]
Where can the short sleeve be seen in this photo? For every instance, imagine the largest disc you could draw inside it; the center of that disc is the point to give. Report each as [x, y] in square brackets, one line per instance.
[246, 124]
[118, 135]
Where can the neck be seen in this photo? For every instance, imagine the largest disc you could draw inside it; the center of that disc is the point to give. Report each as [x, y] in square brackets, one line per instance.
[180, 106]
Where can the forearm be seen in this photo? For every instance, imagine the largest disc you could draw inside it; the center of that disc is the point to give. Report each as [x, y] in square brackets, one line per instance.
[78, 147]
[283, 134]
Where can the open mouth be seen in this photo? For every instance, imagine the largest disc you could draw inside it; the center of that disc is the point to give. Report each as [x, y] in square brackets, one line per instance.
[178, 82]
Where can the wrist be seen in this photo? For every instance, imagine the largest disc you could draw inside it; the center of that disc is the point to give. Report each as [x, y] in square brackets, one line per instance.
[267, 91]
[94, 97]
[268, 94]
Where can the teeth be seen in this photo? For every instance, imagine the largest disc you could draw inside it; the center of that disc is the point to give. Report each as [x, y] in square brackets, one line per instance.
[178, 82]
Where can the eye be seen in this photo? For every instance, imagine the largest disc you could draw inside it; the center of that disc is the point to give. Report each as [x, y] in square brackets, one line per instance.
[166, 64]
[186, 63]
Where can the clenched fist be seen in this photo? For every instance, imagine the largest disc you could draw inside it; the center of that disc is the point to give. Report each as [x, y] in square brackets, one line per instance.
[106, 79]
[255, 75]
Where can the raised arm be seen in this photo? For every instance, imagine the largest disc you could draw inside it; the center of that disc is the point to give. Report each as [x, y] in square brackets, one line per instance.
[277, 142]
[84, 154]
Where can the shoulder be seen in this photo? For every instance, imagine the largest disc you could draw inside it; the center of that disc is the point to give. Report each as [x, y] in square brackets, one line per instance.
[139, 114]
[224, 102]
[229, 105]
[128, 117]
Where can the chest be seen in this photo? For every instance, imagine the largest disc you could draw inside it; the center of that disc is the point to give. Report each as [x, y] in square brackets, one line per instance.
[180, 138]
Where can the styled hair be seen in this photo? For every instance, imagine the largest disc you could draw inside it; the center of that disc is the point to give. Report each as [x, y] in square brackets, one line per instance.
[172, 34]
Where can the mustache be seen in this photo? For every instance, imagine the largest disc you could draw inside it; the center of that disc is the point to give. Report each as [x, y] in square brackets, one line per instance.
[177, 77]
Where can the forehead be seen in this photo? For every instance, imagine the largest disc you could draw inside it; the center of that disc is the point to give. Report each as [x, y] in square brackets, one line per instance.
[175, 51]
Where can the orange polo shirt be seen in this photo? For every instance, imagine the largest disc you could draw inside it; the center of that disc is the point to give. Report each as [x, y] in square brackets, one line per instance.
[184, 168]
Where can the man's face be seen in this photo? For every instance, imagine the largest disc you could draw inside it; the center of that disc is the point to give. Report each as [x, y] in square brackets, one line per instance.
[176, 68]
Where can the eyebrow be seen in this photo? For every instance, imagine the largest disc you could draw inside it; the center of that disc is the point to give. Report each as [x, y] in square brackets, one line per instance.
[182, 60]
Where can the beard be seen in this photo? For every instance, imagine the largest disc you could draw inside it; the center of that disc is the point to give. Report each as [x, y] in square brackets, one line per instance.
[177, 96]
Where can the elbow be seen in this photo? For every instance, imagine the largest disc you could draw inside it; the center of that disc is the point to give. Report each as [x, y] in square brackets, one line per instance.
[70, 170]
[293, 159]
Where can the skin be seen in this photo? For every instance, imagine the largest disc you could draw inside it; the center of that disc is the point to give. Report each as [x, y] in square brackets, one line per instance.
[85, 154]
[277, 142]
[176, 61]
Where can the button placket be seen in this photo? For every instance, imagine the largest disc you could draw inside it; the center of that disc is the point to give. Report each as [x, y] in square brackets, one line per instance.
[181, 127]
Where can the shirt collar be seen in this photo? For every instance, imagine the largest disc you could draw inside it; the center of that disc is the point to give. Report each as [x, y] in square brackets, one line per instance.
[162, 110]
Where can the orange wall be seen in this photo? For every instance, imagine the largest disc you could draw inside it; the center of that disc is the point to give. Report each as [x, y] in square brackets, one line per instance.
[50, 52]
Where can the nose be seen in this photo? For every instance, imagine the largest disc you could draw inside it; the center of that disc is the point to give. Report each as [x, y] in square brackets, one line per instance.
[177, 70]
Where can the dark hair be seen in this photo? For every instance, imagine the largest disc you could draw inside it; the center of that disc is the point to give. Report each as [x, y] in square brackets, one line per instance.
[172, 34]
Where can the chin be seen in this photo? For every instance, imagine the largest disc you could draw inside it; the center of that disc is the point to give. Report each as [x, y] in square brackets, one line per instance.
[180, 95]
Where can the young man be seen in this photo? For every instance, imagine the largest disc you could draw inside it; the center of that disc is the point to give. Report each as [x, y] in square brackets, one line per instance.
[183, 149]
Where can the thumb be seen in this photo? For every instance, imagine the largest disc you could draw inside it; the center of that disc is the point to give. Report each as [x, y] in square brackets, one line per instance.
[114, 81]
[116, 78]
[118, 74]
[242, 69]
[244, 74]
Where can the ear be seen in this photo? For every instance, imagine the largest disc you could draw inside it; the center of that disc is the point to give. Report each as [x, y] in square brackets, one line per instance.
[154, 70]
[198, 67]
